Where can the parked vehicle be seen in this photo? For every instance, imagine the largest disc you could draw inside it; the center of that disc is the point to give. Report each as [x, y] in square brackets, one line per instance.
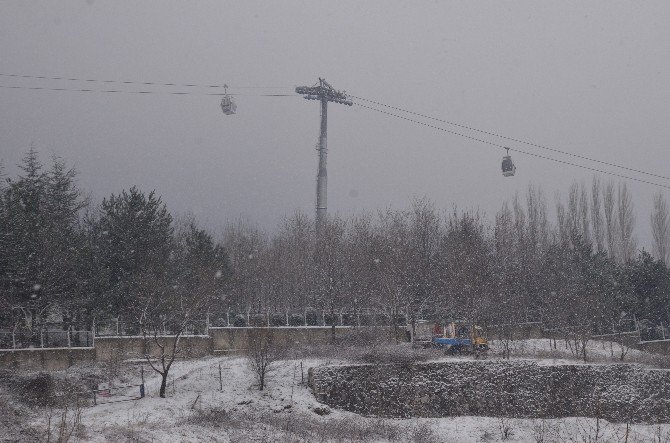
[454, 337]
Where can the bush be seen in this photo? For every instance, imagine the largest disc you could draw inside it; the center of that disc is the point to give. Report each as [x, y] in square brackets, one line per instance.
[240, 321]
[278, 320]
[215, 417]
[40, 390]
[331, 319]
[296, 320]
[258, 320]
[313, 319]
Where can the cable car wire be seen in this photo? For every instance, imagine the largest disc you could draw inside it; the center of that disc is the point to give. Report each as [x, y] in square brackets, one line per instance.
[497, 145]
[123, 91]
[536, 145]
[459, 125]
[131, 82]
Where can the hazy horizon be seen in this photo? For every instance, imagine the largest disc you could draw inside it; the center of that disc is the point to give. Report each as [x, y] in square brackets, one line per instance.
[591, 79]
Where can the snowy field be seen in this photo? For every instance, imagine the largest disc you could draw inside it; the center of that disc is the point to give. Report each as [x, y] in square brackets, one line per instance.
[198, 410]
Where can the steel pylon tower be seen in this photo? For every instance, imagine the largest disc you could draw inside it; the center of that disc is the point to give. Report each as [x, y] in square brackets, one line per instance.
[324, 93]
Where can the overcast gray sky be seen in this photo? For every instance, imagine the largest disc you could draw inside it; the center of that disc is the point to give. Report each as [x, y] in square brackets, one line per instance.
[591, 78]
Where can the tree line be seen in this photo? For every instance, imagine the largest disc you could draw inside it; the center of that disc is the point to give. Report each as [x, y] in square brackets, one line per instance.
[128, 257]
[63, 257]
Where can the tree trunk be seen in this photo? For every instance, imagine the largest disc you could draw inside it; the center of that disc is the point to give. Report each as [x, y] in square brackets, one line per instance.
[164, 376]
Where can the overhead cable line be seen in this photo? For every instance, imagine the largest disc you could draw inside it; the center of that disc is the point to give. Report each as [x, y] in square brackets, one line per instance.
[536, 145]
[132, 82]
[497, 145]
[122, 91]
[459, 125]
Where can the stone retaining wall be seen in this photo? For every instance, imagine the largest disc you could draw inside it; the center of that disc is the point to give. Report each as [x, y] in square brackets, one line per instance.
[619, 393]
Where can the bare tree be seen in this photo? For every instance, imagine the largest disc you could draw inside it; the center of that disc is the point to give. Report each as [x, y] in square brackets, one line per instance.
[391, 264]
[155, 336]
[596, 216]
[519, 219]
[584, 213]
[573, 215]
[330, 266]
[611, 226]
[168, 302]
[424, 229]
[563, 229]
[263, 350]
[538, 225]
[626, 219]
[245, 244]
[660, 229]
[164, 319]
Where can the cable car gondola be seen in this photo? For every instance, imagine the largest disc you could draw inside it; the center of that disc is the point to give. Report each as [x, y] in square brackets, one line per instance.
[228, 105]
[508, 168]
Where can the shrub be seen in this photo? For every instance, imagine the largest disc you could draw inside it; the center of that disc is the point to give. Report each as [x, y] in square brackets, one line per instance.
[240, 321]
[214, 417]
[278, 319]
[40, 390]
[296, 320]
[313, 319]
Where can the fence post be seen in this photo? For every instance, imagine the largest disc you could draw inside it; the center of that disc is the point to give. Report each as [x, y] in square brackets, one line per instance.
[142, 385]
[228, 317]
[220, 378]
[248, 324]
[341, 316]
[117, 326]
[207, 325]
[287, 318]
[69, 338]
[323, 317]
[41, 337]
[305, 317]
[267, 317]
[93, 333]
[662, 331]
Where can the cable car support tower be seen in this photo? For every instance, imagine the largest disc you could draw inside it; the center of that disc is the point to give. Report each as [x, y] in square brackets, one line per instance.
[325, 93]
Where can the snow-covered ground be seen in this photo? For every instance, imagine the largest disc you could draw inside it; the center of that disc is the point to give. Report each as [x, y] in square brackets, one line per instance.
[543, 350]
[198, 410]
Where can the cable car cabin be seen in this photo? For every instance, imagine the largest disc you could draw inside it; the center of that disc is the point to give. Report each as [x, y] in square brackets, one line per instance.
[508, 168]
[228, 106]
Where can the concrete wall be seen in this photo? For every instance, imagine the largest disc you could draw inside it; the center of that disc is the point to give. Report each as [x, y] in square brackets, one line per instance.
[53, 359]
[236, 339]
[127, 347]
[657, 347]
[112, 348]
[618, 393]
[630, 339]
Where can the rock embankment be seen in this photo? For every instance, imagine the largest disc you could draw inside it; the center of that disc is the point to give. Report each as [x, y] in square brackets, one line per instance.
[523, 389]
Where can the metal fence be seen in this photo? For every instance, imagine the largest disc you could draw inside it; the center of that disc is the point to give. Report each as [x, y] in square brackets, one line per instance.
[310, 317]
[44, 338]
[650, 332]
[123, 328]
